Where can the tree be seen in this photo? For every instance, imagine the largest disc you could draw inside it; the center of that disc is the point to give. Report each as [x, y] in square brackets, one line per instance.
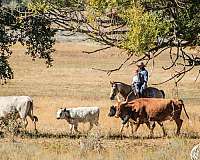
[144, 28]
[33, 31]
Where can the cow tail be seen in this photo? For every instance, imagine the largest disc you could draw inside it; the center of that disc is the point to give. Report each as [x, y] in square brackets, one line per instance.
[97, 118]
[182, 104]
[35, 118]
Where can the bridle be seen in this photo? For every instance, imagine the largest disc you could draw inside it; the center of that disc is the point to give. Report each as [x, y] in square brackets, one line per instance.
[115, 88]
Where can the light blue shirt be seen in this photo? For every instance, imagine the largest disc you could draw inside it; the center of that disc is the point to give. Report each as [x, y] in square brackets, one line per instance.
[143, 76]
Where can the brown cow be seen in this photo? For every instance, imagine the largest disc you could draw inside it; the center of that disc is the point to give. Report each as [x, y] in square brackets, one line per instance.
[151, 110]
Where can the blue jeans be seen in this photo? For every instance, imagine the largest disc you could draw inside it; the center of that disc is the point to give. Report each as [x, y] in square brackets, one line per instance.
[139, 88]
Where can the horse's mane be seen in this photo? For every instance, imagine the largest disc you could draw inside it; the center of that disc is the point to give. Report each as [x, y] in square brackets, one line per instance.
[122, 83]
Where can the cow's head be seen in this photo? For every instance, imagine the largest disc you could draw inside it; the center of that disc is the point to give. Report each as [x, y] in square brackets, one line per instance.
[63, 113]
[112, 111]
[118, 108]
[123, 112]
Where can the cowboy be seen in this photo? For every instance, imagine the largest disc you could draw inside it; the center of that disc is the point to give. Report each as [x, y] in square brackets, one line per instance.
[141, 84]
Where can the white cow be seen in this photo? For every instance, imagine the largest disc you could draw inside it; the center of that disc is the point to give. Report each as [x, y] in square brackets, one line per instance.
[77, 115]
[23, 105]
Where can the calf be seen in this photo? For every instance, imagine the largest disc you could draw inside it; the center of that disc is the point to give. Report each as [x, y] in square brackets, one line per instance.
[80, 114]
[151, 110]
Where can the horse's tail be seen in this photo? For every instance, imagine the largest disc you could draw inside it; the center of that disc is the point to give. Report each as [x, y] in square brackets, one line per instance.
[163, 93]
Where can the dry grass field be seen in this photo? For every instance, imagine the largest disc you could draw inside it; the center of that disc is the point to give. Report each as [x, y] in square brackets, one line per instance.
[71, 82]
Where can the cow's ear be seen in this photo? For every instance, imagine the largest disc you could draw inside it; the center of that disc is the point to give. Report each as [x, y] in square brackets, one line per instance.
[64, 110]
[111, 82]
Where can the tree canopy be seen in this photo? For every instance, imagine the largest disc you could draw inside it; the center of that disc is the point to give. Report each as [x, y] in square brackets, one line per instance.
[142, 28]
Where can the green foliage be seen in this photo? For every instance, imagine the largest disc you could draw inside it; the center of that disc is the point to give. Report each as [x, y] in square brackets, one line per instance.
[5, 69]
[98, 5]
[39, 6]
[37, 36]
[143, 29]
[149, 19]
[33, 31]
[105, 5]
[188, 23]
[7, 39]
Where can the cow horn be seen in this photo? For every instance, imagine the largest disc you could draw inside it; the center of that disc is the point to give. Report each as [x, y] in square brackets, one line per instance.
[118, 99]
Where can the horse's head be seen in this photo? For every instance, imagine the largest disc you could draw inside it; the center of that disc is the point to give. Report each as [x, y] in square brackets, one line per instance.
[114, 90]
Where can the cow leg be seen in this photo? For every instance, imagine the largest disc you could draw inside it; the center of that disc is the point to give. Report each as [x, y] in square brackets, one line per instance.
[179, 124]
[131, 124]
[34, 120]
[76, 127]
[137, 126]
[151, 125]
[96, 123]
[25, 121]
[163, 129]
[121, 130]
[127, 125]
[126, 119]
[91, 126]
[71, 127]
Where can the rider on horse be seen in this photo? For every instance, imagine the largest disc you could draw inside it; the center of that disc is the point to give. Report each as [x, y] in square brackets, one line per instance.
[140, 79]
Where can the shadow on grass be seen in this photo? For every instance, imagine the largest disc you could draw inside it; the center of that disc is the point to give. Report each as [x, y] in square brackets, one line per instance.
[110, 136]
[40, 134]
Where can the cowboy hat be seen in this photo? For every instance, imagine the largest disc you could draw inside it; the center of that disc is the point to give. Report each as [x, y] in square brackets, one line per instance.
[140, 64]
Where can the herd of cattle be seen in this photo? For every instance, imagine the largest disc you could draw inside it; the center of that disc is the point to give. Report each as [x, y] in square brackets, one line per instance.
[139, 111]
